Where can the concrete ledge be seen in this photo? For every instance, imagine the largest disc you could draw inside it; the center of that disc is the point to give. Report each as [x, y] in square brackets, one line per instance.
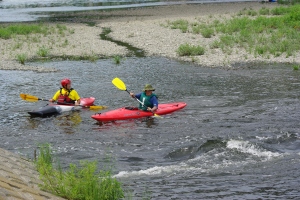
[19, 179]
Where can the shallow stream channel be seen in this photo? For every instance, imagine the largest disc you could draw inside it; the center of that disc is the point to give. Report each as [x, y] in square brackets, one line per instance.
[237, 138]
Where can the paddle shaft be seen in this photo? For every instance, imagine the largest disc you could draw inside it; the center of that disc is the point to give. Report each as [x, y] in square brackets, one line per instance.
[136, 99]
[42, 99]
[31, 98]
[142, 103]
[91, 107]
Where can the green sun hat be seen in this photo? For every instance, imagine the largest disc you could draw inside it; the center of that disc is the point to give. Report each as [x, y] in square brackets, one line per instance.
[148, 87]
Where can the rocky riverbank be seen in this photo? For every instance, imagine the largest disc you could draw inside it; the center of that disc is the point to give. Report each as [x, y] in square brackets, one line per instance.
[144, 28]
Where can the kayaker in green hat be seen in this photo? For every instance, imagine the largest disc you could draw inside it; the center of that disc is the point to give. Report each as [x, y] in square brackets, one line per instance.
[148, 98]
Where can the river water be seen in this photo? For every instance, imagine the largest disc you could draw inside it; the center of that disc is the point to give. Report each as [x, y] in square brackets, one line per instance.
[32, 10]
[238, 137]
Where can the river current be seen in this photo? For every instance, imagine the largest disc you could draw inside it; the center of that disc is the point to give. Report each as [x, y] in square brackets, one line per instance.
[33, 10]
[238, 137]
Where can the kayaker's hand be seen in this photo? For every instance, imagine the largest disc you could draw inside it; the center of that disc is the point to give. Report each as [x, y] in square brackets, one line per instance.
[51, 100]
[132, 94]
[77, 103]
[152, 109]
[149, 109]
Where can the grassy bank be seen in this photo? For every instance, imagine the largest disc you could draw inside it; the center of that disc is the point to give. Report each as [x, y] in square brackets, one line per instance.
[267, 32]
[33, 34]
[80, 183]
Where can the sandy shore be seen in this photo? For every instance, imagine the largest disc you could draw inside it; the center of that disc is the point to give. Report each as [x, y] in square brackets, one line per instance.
[144, 28]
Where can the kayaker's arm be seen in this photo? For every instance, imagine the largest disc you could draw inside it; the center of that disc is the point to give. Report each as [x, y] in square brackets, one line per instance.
[137, 96]
[154, 102]
[55, 96]
[152, 109]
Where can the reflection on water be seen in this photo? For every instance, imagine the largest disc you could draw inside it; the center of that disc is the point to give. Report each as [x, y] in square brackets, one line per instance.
[68, 122]
[148, 122]
[32, 124]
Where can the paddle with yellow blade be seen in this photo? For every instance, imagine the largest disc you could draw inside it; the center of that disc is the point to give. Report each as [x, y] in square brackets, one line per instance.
[31, 98]
[121, 85]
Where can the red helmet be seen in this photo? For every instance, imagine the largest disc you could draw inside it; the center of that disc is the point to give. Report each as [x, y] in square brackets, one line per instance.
[65, 81]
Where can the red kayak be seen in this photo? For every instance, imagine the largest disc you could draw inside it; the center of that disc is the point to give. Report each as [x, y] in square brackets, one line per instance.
[134, 113]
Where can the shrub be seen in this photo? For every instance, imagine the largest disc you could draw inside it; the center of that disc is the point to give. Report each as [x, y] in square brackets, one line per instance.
[190, 50]
[21, 58]
[296, 67]
[207, 32]
[43, 51]
[117, 59]
[80, 183]
[180, 24]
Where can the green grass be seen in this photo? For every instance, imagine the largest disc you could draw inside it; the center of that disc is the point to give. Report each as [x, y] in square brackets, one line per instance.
[76, 183]
[117, 59]
[267, 32]
[190, 50]
[7, 32]
[288, 2]
[21, 58]
[296, 67]
[179, 24]
[30, 35]
[43, 51]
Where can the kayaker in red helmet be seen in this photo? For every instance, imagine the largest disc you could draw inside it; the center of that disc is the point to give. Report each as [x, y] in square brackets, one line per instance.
[148, 98]
[66, 94]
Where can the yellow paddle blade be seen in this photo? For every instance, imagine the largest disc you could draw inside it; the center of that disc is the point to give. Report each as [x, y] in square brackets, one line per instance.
[97, 107]
[156, 115]
[28, 97]
[119, 83]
